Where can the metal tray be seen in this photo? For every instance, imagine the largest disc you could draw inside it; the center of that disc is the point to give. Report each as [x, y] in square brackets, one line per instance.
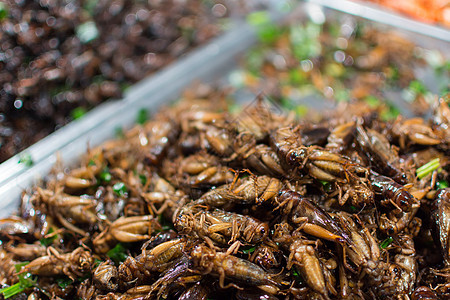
[209, 63]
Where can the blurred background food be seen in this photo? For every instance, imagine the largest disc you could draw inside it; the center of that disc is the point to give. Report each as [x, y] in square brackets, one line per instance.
[430, 11]
[58, 59]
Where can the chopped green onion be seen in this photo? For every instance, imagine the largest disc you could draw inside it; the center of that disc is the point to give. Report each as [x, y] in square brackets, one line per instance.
[63, 282]
[11, 291]
[118, 253]
[91, 162]
[26, 159]
[87, 32]
[120, 189]
[384, 244]
[49, 240]
[442, 184]
[142, 116]
[353, 208]
[250, 250]
[428, 168]
[105, 176]
[78, 113]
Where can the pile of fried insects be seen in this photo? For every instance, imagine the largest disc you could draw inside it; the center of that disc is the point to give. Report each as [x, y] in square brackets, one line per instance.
[203, 202]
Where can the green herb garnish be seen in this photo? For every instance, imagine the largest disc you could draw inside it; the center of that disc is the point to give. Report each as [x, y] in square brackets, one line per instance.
[105, 176]
[78, 113]
[118, 253]
[384, 244]
[390, 113]
[97, 262]
[269, 33]
[417, 87]
[442, 184]
[372, 101]
[143, 179]
[298, 277]
[120, 189]
[63, 282]
[342, 95]
[428, 168]
[326, 185]
[249, 250]
[142, 116]
[26, 159]
[49, 240]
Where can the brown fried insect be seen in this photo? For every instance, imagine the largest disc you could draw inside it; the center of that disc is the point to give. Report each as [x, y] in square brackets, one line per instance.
[69, 210]
[105, 277]
[392, 192]
[340, 137]
[424, 293]
[27, 251]
[246, 191]
[155, 260]
[414, 131]
[73, 264]
[126, 230]
[309, 217]
[226, 266]
[377, 149]
[441, 219]
[305, 257]
[154, 139]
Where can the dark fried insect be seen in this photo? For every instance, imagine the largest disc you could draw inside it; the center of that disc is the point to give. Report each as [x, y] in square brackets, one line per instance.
[227, 266]
[309, 217]
[392, 192]
[441, 219]
[379, 152]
